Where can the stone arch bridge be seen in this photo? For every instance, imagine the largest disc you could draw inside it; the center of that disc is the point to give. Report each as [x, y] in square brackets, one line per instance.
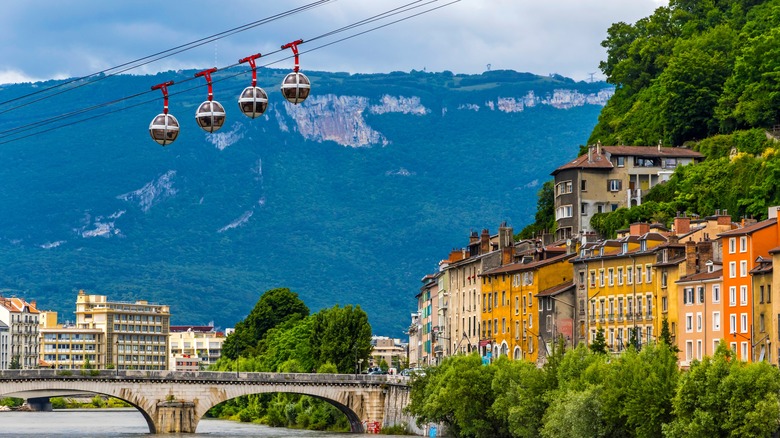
[174, 402]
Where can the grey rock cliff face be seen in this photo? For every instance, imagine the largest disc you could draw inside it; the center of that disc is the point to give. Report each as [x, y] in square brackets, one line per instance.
[340, 118]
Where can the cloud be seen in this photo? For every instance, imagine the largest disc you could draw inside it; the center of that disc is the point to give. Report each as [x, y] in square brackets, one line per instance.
[562, 36]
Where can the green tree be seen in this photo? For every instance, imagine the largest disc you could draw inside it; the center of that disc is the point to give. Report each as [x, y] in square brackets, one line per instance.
[521, 395]
[666, 336]
[599, 345]
[341, 336]
[15, 365]
[273, 308]
[720, 396]
[575, 414]
[457, 393]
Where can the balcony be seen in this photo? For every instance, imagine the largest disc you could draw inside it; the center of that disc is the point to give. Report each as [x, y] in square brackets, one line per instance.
[611, 317]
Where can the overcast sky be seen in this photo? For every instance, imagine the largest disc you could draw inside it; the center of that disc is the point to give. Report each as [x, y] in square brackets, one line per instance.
[46, 39]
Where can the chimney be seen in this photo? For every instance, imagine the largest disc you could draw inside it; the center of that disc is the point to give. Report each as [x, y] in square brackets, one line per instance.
[598, 147]
[660, 144]
[724, 218]
[473, 238]
[590, 154]
[690, 258]
[506, 236]
[639, 229]
[705, 253]
[484, 241]
[682, 224]
[507, 255]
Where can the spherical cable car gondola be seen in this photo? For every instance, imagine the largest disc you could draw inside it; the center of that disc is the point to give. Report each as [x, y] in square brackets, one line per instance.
[295, 86]
[210, 115]
[164, 127]
[253, 101]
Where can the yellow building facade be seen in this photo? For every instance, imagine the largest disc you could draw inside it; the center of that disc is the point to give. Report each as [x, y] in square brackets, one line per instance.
[510, 325]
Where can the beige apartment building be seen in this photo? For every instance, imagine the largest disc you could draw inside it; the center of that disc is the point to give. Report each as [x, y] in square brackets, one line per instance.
[135, 333]
[194, 348]
[610, 177]
[21, 318]
[64, 346]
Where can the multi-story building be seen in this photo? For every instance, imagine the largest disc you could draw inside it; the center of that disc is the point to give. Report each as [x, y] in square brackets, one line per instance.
[21, 318]
[427, 307]
[741, 248]
[392, 351]
[201, 345]
[621, 287]
[774, 326]
[415, 341]
[4, 346]
[441, 348]
[64, 346]
[136, 333]
[699, 304]
[763, 321]
[610, 177]
[510, 307]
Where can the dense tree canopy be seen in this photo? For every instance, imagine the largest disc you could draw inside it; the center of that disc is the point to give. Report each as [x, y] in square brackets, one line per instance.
[274, 307]
[692, 70]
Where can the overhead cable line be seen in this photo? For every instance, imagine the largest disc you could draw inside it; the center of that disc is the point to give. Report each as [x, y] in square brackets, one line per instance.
[392, 12]
[140, 62]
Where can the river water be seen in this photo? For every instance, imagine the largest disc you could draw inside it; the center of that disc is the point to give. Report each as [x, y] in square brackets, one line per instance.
[100, 423]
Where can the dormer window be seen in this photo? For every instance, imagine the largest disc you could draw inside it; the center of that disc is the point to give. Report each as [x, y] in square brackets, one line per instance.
[625, 247]
[643, 245]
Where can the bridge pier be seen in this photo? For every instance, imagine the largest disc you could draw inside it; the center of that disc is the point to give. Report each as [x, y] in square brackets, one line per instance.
[39, 404]
[175, 417]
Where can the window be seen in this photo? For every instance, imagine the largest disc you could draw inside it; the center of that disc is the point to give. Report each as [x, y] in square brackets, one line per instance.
[630, 274]
[548, 323]
[743, 295]
[733, 323]
[583, 185]
[688, 350]
[592, 278]
[584, 209]
[688, 295]
[700, 294]
[715, 293]
[639, 274]
[698, 322]
[743, 244]
[689, 322]
[761, 326]
[620, 307]
[664, 279]
[649, 305]
[744, 348]
[732, 295]
[611, 276]
[732, 269]
[743, 325]
[664, 304]
[732, 245]
[648, 274]
[620, 276]
[549, 303]
[768, 293]
[564, 211]
[614, 185]
[716, 321]
[630, 306]
[601, 277]
[743, 268]
[761, 294]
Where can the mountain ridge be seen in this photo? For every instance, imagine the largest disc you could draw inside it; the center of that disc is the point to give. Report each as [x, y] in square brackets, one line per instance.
[350, 197]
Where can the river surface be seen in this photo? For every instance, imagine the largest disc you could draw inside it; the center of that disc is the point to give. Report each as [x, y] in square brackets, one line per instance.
[130, 423]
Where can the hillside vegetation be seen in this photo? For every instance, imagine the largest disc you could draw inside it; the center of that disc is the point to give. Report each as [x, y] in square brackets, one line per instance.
[702, 74]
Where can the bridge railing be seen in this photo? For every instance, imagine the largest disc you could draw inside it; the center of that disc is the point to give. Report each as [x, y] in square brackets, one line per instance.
[204, 376]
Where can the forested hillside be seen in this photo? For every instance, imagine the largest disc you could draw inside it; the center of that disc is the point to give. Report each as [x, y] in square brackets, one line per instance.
[701, 74]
